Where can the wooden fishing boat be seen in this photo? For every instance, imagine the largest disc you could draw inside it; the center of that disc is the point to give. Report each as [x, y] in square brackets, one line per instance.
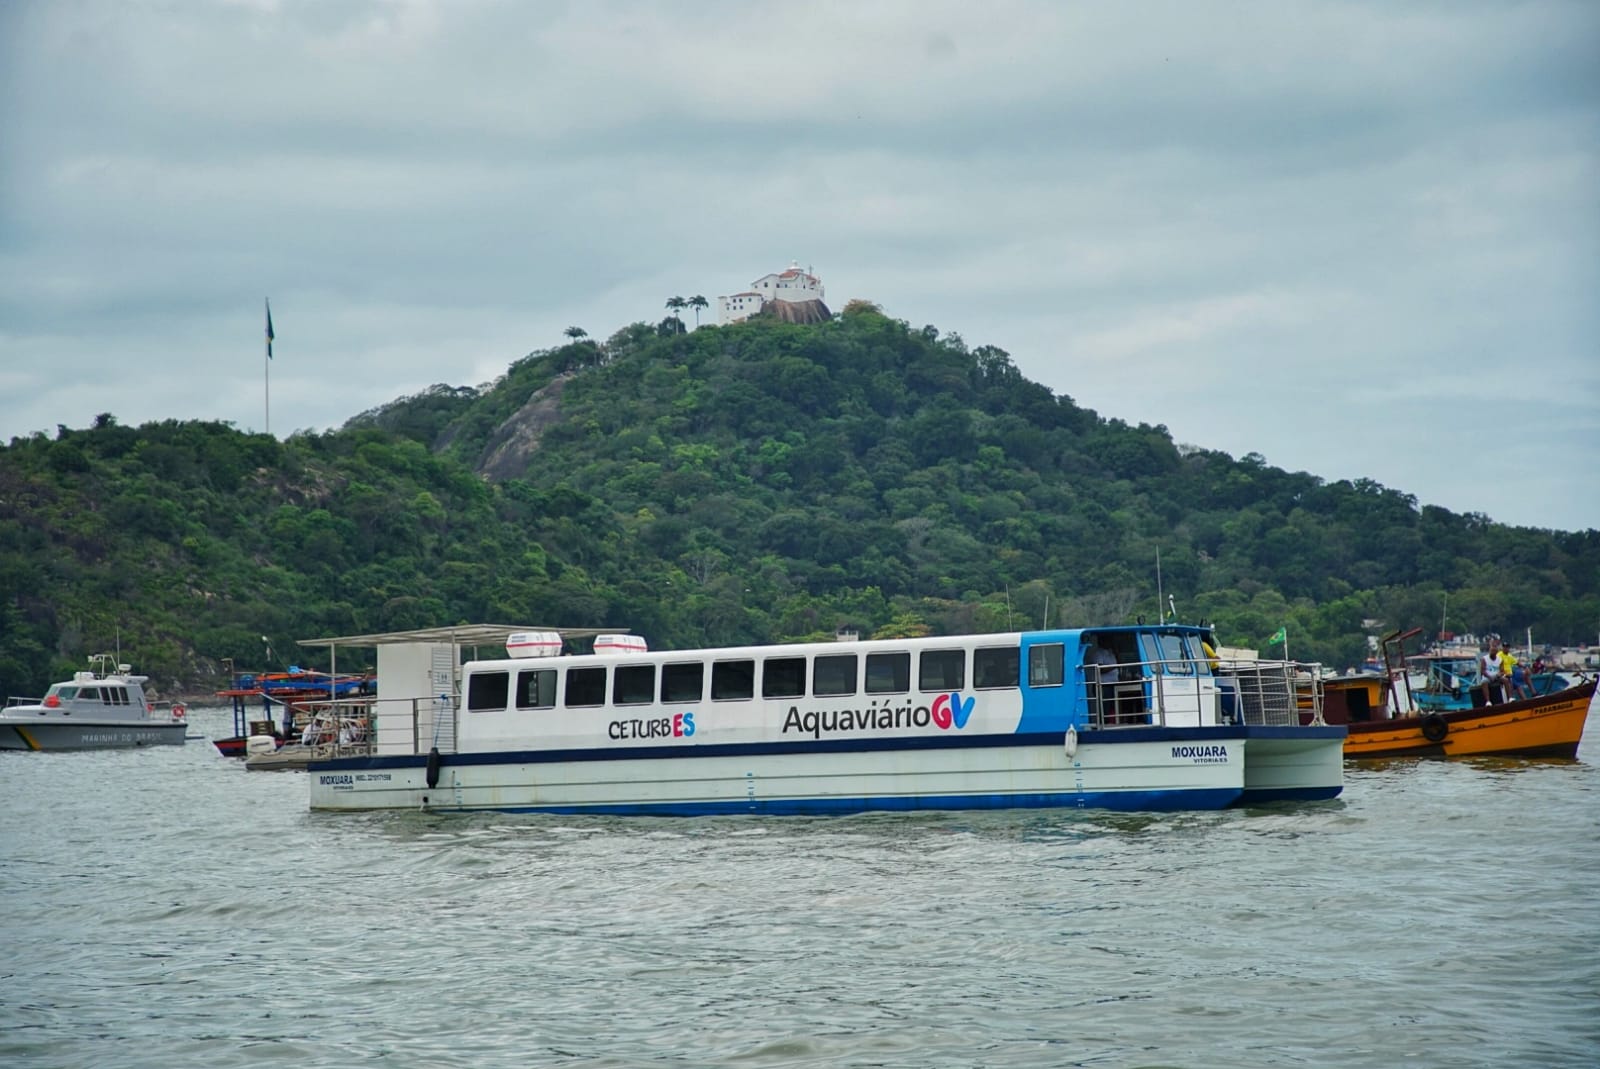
[1546, 725]
[1385, 719]
[285, 696]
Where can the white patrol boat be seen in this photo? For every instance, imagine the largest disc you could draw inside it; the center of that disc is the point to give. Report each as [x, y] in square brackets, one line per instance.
[95, 710]
[1123, 718]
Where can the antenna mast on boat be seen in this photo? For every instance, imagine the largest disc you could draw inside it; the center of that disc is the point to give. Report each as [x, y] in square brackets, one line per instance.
[1161, 610]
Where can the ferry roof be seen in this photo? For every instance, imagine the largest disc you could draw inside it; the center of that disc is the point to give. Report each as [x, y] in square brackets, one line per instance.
[460, 634]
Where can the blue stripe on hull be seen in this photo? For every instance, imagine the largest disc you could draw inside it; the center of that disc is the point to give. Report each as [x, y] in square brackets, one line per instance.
[1290, 794]
[1120, 801]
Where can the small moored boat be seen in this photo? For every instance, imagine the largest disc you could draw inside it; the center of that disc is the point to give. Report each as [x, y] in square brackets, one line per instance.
[286, 694]
[1386, 718]
[103, 708]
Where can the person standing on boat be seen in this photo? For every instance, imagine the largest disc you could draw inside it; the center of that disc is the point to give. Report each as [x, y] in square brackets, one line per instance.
[1492, 669]
[1103, 673]
[1515, 676]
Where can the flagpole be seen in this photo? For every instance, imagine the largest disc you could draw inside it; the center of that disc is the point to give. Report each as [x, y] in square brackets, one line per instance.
[266, 370]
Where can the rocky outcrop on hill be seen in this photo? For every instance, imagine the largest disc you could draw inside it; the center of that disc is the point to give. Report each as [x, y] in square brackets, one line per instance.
[511, 447]
[799, 311]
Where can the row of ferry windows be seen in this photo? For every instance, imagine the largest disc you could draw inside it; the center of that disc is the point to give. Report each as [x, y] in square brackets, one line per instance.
[832, 676]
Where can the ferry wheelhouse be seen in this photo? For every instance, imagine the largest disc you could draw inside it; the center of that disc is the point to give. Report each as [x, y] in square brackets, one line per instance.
[1121, 718]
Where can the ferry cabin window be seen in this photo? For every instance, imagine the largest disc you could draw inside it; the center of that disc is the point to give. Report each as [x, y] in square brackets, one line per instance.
[733, 681]
[1046, 665]
[833, 675]
[586, 686]
[942, 670]
[488, 690]
[682, 682]
[635, 684]
[536, 689]
[995, 666]
[888, 673]
[783, 677]
[1173, 653]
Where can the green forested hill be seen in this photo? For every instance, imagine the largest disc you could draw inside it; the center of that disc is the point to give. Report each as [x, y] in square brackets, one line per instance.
[758, 482]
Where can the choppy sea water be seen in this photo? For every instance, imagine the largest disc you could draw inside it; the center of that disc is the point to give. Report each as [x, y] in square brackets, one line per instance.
[165, 908]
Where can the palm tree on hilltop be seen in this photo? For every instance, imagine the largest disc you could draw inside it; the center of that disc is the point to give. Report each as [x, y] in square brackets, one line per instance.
[698, 302]
[576, 333]
[676, 305]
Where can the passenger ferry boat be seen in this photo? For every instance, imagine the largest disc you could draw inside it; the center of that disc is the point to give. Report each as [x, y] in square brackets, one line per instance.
[95, 710]
[1122, 718]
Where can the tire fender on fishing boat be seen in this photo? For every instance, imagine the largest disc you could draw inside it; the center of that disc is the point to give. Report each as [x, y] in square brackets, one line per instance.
[1434, 729]
[433, 768]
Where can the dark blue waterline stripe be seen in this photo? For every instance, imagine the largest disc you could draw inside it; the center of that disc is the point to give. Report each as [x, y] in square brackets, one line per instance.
[1129, 802]
[1116, 736]
[1289, 794]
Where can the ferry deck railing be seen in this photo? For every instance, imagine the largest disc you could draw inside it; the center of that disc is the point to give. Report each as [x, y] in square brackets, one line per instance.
[340, 727]
[1161, 692]
[398, 725]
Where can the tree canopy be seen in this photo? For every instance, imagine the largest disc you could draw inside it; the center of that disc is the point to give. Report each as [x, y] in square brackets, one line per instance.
[764, 481]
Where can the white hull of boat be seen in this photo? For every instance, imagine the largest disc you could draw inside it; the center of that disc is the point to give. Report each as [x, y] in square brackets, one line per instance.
[56, 733]
[1297, 764]
[1164, 770]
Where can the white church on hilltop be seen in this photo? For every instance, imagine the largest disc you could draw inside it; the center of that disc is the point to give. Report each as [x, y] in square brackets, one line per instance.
[794, 293]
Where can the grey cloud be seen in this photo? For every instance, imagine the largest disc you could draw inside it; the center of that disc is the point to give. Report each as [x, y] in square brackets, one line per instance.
[1317, 231]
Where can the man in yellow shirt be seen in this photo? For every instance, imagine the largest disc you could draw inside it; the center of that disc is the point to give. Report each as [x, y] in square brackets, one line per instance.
[1510, 674]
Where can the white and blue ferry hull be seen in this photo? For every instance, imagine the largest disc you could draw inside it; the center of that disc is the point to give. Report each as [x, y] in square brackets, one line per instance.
[1293, 764]
[1141, 770]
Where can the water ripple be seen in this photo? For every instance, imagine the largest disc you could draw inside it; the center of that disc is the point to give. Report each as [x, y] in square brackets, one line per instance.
[166, 908]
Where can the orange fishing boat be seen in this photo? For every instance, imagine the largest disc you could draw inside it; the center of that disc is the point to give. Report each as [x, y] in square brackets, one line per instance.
[1383, 719]
[1547, 725]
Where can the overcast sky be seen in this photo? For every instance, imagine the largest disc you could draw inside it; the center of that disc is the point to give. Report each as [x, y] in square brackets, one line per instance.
[1360, 239]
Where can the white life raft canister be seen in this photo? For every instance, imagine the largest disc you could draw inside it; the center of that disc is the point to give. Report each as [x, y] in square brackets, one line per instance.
[533, 644]
[620, 644]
